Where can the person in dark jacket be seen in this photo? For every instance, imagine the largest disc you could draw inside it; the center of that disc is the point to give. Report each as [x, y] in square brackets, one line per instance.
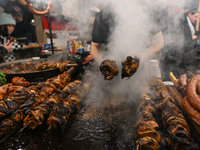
[7, 25]
[24, 32]
[178, 54]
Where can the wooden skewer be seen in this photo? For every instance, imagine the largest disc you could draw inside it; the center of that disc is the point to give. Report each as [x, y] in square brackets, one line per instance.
[24, 127]
[198, 20]
[49, 128]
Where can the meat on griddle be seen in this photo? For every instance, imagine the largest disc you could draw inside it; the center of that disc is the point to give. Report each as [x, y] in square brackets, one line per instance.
[129, 66]
[20, 81]
[146, 126]
[109, 69]
[8, 124]
[7, 107]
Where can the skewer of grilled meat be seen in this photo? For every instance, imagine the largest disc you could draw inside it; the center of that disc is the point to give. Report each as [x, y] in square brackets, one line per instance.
[109, 69]
[146, 126]
[8, 124]
[173, 120]
[60, 115]
[36, 116]
[50, 87]
[129, 66]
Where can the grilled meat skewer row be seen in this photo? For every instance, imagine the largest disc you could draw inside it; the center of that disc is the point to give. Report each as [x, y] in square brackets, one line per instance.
[59, 116]
[146, 126]
[173, 120]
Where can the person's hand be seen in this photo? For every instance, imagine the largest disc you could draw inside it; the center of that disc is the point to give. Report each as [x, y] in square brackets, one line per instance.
[24, 46]
[8, 46]
[194, 37]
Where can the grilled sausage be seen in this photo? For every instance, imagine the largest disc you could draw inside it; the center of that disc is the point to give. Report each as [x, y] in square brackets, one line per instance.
[193, 113]
[30, 6]
[177, 96]
[183, 84]
[193, 98]
[23, 2]
[198, 88]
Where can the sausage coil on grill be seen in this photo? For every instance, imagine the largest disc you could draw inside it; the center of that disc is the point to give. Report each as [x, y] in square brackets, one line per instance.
[191, 112]
[192, 95]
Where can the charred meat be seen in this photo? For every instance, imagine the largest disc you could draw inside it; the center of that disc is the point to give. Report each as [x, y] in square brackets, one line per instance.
[109, 69]
[130, 66]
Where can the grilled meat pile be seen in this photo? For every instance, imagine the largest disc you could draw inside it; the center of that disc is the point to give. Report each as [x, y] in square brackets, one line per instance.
[29, 67]
[130, 66]
[18, 103]
[109, 69]
[146, 126]
[172, 119]
[10, 123]
[57, 108]
[18, 83]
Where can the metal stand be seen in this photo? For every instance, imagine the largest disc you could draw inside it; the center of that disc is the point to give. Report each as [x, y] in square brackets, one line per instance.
[50, 33]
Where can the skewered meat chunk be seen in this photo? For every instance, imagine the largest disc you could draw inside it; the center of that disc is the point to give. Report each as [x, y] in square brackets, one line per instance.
[8, 124]
[130, 66]
[20, 81]
[7, 107]
[4, 89]
[14, 88]
[33, 119]
[109, 69]
[146, 126]
[147, 143]
[20, 96]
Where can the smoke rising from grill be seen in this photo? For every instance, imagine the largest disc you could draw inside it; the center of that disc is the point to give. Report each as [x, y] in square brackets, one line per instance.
[131, 34]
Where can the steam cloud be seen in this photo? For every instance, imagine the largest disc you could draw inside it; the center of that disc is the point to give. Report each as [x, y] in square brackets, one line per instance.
[130, 36]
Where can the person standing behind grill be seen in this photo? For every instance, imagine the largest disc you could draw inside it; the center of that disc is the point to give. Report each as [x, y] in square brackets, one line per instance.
[179, 53]
[24, 32]
[103, 28]
[7, 25]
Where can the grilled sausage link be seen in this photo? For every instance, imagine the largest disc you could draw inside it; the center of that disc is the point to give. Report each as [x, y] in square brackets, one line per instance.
[30, 6]
[23, 2]
[192, 113]
[177, 96]
[183, 84]
[192, 95]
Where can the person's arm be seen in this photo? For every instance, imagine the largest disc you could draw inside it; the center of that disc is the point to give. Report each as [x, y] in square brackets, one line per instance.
[95, 52]
[155, 47]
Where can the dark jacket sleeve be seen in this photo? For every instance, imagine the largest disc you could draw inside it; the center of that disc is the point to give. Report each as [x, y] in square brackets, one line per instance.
[189, 42]
[97, 36]
[3, 52]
